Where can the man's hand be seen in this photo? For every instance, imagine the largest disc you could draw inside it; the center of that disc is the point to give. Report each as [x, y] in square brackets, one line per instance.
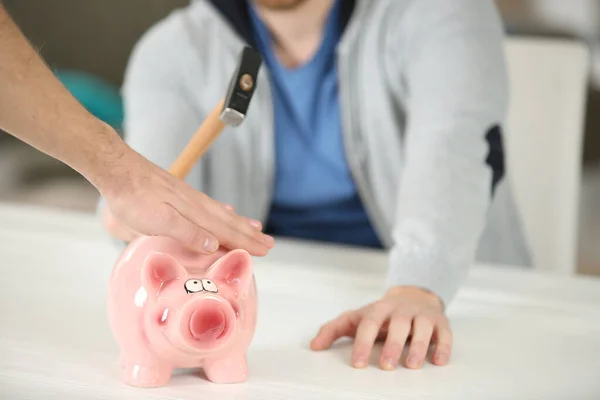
[403, 313]
[144, 199]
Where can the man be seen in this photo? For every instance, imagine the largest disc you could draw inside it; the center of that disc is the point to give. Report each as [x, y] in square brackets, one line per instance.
[37, 109]
[375, 123]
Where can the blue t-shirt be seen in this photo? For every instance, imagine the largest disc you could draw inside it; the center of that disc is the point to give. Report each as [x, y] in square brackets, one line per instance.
[314, 194]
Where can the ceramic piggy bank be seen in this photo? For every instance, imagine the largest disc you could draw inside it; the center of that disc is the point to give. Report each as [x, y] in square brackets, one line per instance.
[169, 307]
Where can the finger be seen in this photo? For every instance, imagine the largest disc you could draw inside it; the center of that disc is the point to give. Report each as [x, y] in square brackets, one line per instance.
[238, 235]
[366, 333]
[219, 219]
[396, 339]
[245, 222]
[188, 233]
[211, 217]
[344, 325]
[230, 229]
[250, 227]
[242, 233]
[422, 330]
[253, 222]
[443, 345]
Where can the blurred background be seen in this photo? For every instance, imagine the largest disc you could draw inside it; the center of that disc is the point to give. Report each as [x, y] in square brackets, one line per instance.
[88, 43]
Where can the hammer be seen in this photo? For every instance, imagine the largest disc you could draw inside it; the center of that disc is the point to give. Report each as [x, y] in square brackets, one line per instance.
[230, 110]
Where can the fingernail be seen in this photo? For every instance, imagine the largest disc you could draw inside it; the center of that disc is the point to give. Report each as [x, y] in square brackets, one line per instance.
[360, 363]
[388, 364]
[210, 244]
[412, 362]
[256, 224]
[269, 239]
[440, 358]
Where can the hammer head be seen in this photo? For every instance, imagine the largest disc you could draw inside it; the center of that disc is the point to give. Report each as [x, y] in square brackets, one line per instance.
[241, 87]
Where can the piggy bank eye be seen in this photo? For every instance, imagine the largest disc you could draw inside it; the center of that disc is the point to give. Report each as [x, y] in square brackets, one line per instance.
[209, 285]
[193, 286]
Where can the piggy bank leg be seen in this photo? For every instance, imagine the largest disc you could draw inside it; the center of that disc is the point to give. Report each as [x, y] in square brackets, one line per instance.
[145, 372]
[231, 369]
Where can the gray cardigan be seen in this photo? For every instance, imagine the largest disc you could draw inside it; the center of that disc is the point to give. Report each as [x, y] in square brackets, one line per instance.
[423, 92]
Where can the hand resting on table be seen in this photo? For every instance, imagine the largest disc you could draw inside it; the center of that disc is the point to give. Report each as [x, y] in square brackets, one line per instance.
[404, 313]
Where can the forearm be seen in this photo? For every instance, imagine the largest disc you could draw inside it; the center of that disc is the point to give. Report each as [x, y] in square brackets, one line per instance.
[454, 156]
[442, 212]
[36, 108]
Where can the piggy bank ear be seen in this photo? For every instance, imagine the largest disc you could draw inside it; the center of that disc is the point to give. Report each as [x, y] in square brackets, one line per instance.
[160, 269]
[234, 269]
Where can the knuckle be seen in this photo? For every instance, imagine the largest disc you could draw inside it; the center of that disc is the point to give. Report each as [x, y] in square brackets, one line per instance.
[424, 319]
[402, 320]
[446, 335]
[346, 315]
[393, 344]
[382, 304]
[372, 320]
[419, 345]
[232, 216]
[205, 198]
[379, 307]
[202, 197]
[443, 322]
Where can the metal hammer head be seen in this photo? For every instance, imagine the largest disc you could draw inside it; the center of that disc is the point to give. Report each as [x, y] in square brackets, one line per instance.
[241, 87]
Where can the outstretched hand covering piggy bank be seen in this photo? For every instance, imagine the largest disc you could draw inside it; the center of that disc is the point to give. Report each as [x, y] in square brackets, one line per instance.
[170, 307]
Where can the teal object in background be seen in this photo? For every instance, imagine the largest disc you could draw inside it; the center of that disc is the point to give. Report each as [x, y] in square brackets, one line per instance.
[100, 98]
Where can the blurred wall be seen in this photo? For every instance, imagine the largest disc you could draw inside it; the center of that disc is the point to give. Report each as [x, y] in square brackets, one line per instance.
[95, 36]
[92, 35]
[577, 17]
[565, 18]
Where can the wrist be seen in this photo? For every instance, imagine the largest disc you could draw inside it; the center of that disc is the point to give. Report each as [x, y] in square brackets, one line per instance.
[106, 164]
[415, 292]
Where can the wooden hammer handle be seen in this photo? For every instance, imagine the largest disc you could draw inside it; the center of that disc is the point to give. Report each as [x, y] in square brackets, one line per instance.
[199, 143]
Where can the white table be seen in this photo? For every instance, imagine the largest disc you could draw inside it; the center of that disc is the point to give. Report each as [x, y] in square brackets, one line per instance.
[518, 334]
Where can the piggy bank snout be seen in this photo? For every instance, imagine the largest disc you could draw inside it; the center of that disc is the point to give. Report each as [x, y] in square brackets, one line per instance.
[207, 324]
[210, 322]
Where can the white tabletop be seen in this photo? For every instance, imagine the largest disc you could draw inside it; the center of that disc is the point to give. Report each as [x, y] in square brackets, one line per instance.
[518, 334]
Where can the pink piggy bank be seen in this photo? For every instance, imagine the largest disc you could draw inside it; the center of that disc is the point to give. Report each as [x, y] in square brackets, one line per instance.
[170, 307]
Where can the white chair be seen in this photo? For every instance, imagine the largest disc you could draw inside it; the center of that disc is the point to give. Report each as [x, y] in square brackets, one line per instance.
[548, 84]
